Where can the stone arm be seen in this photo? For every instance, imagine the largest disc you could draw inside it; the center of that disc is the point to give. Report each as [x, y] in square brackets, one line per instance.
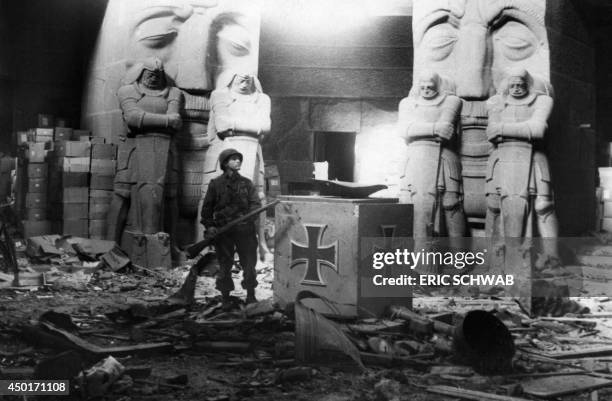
[253, 125]
[137, 119]
[175, 101]
[494, 112]
[534, 127]
[407, 124]
[258, 124]
[444, 128]
[220, 101]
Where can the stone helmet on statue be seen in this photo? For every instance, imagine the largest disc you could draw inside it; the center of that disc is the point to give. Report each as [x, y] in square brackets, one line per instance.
[429, 85]
[137, 71]
[243, 82]
[518, 79]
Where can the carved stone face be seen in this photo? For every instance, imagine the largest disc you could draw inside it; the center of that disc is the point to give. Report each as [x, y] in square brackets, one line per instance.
[473, 41]
[198, 41]
[195, 40]
[243, 84]
[153, 79]
[517, 87]
[428, 89]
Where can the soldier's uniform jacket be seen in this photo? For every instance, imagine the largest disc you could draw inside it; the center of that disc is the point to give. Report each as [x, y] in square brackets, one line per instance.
[228, 198]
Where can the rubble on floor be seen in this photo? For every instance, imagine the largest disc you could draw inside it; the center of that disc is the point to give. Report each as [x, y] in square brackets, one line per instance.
[124, 333]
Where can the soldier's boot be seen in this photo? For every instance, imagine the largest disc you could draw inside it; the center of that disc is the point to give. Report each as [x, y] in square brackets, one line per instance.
[250, 299]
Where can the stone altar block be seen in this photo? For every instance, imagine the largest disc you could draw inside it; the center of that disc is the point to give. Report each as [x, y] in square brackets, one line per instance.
[318, 247]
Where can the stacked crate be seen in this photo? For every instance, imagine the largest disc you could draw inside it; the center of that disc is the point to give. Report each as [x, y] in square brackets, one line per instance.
[33, 177]
[70, 199]
[103, 165]
[7, 165]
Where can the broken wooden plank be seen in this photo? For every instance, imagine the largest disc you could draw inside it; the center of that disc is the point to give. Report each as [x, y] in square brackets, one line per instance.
[223, 346]
[416, 323]
[138, 371]
[229, 323]
[75, 342]
[22, 280]
[17, 373]
[391, 360]
[378, 327]
[581, 353]
[470, 394]
[572, 319]
[558, 386]
[145, 349]
[154, 321]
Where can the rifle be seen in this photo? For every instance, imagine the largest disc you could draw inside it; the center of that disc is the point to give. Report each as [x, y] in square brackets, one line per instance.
[196, 248]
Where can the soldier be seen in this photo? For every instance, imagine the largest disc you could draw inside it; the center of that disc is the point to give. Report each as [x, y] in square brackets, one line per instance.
[230, 196]
[241, 117]
[146, 176]
[431, 177]
[518, 177]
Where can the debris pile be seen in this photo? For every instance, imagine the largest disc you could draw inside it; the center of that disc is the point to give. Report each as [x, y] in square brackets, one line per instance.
[122, 332]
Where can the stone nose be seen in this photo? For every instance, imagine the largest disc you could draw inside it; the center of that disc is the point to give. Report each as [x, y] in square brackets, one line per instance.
[473, 62]
[191, 49]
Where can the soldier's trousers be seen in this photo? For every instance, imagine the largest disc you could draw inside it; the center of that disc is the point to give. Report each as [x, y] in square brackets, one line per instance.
[241, 239]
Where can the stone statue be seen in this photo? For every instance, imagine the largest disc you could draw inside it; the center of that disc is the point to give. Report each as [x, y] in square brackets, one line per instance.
[146, 178]
[518, 176]
[240, 116]
[431, 177]
[472, 42]
[199, 42]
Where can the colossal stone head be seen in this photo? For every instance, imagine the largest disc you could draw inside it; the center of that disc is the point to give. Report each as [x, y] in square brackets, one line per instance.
[474, 41]
[198, 42]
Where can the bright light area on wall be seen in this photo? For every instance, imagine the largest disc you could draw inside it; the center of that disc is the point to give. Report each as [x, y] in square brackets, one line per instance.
[324, 17]
[379, 155]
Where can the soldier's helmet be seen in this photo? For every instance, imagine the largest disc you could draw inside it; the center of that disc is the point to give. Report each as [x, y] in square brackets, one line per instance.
[226, 154]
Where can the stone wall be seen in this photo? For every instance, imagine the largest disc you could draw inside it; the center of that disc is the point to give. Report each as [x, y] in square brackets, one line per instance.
[572, 149]
[6, 76]
[349, 79]
[45, 47]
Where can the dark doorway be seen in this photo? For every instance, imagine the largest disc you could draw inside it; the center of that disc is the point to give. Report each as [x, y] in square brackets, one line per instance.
[338, 149]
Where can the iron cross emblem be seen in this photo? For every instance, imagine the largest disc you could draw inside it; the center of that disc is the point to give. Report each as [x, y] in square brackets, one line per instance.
[314, 254]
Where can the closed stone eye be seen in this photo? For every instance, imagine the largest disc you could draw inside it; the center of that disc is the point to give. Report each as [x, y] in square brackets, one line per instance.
[157, 32]
[439, 40]
[235, 40]
[515, 41]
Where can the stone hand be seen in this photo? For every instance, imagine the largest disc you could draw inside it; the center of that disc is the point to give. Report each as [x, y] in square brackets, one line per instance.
[444, 131]
[174, 121]
[494, 133]
[224, 134]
